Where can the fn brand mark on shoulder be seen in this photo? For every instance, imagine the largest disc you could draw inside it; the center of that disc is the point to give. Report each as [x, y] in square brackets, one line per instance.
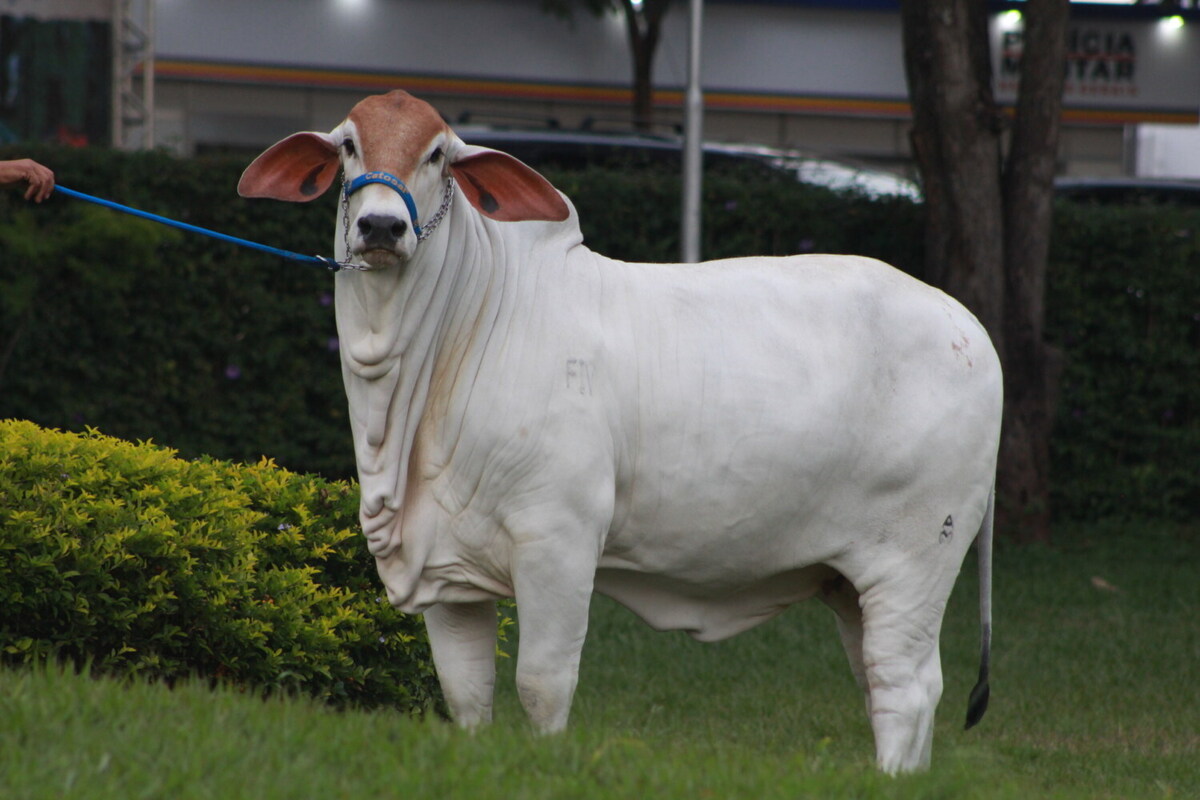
[579, 376]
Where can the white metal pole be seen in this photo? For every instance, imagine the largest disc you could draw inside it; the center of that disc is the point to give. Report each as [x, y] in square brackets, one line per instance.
[692, 143]
[117, 126]
[148, 67]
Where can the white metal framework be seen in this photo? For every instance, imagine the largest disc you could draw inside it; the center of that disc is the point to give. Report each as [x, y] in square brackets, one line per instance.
[133, 74]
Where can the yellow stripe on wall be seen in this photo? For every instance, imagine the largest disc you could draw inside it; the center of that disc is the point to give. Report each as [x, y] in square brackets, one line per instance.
[608, 95]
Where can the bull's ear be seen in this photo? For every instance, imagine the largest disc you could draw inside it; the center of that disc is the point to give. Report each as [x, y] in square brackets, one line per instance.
[503, 188]
[298, 169]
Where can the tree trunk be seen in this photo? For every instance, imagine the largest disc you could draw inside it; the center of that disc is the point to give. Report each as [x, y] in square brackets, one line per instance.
[1031, 370]
[644, 28]
[956, 142]
[988, 218]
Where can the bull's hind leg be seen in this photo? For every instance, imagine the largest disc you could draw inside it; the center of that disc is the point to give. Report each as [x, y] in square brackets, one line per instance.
[902, 621]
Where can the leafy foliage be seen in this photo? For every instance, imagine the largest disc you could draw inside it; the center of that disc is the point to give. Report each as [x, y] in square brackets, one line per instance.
[148, 333]
[634, 215]
[1124, 301]
[137, 563]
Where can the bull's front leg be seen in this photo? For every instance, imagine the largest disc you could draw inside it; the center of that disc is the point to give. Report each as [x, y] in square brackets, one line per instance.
[553, 591]
[462, 637]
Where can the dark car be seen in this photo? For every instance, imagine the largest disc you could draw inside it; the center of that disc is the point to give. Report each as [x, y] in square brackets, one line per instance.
[1129, 191]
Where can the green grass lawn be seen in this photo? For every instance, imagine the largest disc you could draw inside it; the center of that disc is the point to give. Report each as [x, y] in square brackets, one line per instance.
[1095, 694]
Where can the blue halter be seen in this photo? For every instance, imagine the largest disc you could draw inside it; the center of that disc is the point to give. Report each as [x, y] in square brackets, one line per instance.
[391, 181]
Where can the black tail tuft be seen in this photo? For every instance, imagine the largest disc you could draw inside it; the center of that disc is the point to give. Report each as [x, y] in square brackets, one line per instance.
[978, 702]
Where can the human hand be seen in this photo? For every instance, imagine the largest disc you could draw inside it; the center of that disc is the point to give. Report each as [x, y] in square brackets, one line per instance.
[39, 178]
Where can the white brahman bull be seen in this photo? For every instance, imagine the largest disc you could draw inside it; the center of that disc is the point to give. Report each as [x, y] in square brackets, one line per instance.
[706, 444]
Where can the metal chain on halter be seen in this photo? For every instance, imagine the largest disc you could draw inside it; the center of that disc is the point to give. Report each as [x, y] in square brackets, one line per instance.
[345, 217]
[348, 264]
[430, 226]
[447, 200]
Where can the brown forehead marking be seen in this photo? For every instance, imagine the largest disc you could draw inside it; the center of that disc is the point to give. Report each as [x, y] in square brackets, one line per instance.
[393, 130]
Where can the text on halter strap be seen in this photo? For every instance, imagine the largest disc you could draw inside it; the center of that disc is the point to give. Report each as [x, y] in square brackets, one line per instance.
[391, 181]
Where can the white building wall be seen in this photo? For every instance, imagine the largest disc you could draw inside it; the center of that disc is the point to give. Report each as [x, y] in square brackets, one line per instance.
[751, 50]
[504, 38]
[762, 48]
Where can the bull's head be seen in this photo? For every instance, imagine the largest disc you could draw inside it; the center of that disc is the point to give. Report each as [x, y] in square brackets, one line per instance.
[398, 157]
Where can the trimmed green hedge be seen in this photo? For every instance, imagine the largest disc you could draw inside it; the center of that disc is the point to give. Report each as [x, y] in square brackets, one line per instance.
[635, 216]
[133, 562]
[1123, 301]
[146, 333]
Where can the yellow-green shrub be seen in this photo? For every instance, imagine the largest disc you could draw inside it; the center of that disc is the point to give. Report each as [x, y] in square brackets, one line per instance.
[139, 563]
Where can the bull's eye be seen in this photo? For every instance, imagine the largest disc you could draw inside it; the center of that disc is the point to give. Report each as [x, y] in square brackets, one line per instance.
[348, 146]
[435, 156]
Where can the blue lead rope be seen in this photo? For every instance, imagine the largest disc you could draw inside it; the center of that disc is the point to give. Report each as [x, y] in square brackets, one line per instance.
[316, 261]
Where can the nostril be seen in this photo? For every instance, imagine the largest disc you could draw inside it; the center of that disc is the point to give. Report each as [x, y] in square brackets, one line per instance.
[398, 228]
[364, 226]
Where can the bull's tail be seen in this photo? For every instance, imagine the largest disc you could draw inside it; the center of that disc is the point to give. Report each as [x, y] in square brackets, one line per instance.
[978, 703]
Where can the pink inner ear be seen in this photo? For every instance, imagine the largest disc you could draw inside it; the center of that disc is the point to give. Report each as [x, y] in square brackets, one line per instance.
[298, 169]
[503, 188]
